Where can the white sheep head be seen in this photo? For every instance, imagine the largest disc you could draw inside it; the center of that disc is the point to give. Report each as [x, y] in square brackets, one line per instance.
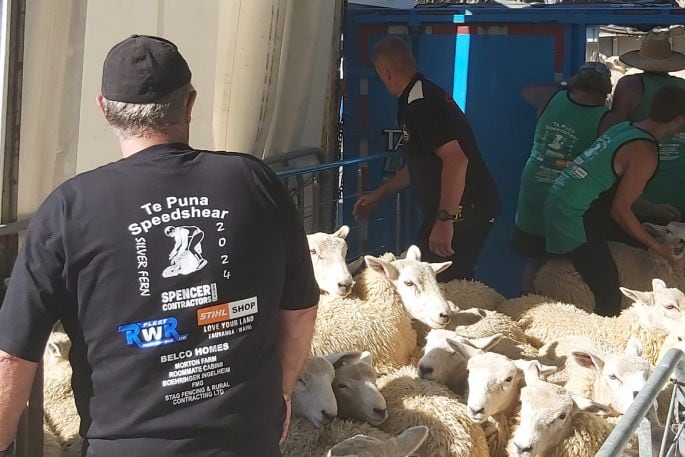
[547, 411]
[417, 286]
[446, 355]
[673, 231]
[328, 252]
[618, 377]
[660, 308]
[313, 397]
[495, 383]
[365, 446]
[355, 388]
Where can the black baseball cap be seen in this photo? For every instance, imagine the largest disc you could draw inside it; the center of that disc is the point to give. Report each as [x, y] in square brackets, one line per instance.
[142, 69]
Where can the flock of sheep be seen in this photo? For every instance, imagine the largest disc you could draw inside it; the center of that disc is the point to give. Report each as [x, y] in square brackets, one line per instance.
[401, 365]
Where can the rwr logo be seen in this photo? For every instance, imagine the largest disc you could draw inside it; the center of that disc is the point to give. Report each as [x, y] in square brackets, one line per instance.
[152, 333]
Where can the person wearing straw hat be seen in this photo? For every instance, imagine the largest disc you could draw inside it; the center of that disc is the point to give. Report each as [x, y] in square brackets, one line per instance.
[599, 189]
[664, 196]
[568, 122]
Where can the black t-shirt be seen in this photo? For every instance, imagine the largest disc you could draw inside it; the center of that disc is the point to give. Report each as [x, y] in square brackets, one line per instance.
[168, 270]
[429, 118]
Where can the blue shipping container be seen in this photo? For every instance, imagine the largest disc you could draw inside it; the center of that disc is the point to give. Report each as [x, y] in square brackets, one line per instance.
[484, 55]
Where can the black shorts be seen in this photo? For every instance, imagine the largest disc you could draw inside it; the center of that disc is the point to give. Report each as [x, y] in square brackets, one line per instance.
[527, 244]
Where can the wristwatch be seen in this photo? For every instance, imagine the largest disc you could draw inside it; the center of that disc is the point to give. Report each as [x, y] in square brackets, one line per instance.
[445, 216]
[9, 452]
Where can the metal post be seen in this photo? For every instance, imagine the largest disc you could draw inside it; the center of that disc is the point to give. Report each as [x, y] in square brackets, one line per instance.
[619, 437]
[362, 228]
[316, 209]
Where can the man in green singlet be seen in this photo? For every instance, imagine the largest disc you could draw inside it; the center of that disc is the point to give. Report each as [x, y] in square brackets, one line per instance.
[568, 122]
[664, 196]
[600, 186]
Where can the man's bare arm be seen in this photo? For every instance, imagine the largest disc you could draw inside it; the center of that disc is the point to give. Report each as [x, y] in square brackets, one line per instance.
[637, 169]
[16, 379]
[297, 328]
[539, 95]
[627, 97]
[453, 178]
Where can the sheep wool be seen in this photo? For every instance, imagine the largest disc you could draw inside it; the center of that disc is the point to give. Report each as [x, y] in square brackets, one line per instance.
[514, 343]
[60, 409]
[371, 319]
[588, 434]
[467, 294]
[306, 440]
[412, 401]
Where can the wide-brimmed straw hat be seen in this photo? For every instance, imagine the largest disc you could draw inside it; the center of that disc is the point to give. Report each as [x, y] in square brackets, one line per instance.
[655, 54]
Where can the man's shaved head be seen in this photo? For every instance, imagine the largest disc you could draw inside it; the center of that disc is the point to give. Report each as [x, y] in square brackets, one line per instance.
[395, 54]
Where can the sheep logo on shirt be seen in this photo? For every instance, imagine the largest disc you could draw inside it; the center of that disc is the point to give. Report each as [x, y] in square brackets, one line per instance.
[186, 255]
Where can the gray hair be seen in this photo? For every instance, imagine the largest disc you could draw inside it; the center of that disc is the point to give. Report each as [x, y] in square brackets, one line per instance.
[140, 120]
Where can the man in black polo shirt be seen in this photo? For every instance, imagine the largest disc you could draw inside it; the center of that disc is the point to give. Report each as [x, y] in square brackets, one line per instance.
[182, 277]
[452, 185]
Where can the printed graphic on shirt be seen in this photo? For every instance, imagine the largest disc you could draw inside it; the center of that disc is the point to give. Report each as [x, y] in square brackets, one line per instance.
[556, 143]
[186, 255]
[152, 333]
[192, 245]
[195, 367]
[228, 319]
[190, 297]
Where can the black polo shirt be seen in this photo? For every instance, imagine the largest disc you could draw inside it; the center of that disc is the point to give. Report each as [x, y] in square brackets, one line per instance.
[168, 270]
[429, 118]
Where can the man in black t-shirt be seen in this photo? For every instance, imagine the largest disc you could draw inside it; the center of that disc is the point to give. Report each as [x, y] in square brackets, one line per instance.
[450, 181]
[182, 277]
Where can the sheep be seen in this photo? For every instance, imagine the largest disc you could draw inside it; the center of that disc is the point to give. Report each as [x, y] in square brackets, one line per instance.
[552, 423]
[412, 401]
[445, 357]
[60, 409]
[304, 439]
[647, 320]
[559, 280]
[313, 397]
[355, 390]
[494, 386]
[467, 294]
[365, 446]
[328, 254]
[377, 316]
[613, 378]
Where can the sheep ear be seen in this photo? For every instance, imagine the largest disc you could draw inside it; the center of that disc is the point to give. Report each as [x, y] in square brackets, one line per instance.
[463, 348]
[658, 284]
[541, 369]
[53, 349]
[657, 231]
[366, 357]
[486, 343]
[634, 347]
[382, 267]
[342, 232]
[410, 440]
[414, 253]
[440, 267]
[587, 360]
[645, 298]
[352, 447]
[532, 372]
[583, 405]
[355, 265]
[467, 317]
[344, 358]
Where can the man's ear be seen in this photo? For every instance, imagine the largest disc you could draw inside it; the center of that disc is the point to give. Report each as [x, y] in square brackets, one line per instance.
[189, 106]
[100, 102]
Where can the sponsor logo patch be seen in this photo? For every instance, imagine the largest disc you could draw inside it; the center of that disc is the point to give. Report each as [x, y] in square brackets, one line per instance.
[152, 333]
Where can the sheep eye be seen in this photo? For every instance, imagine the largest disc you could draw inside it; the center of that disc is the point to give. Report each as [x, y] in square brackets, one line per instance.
[562, 416]
[680, 339]
[408, 283]
[509, 379]
[613, 377]
[671, 306]
[312, 251]
[301, 381]
[341, 386]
